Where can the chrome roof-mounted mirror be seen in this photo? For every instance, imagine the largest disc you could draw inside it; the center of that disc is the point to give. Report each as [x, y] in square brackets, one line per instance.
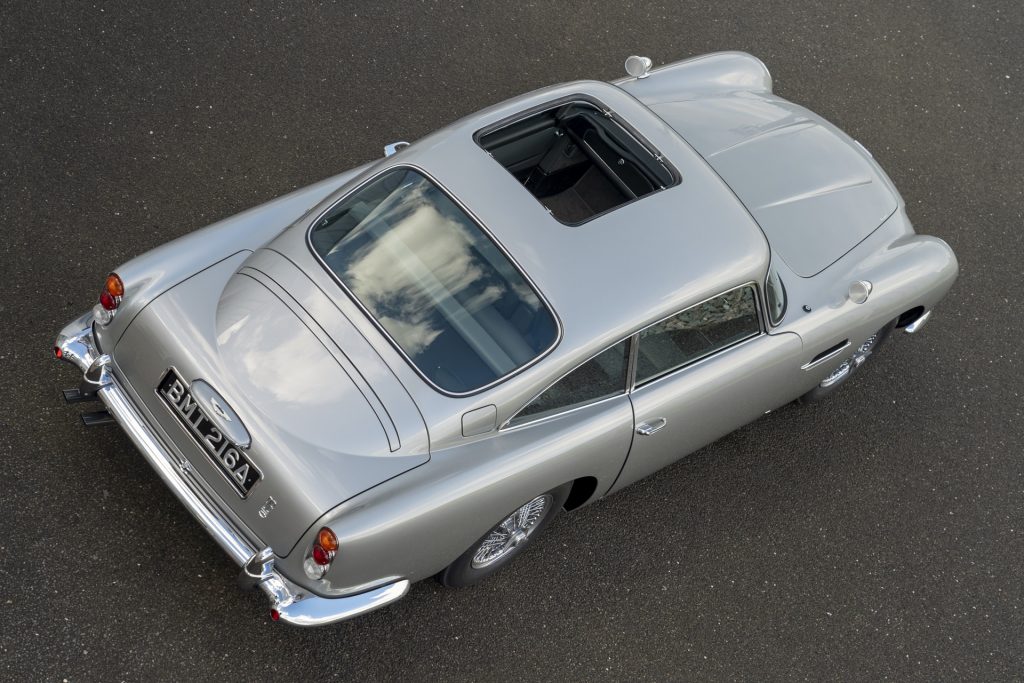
[395, 147]
[638, 67]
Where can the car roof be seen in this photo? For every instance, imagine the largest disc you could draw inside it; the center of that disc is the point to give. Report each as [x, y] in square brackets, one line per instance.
[604, 279]
[623, 269]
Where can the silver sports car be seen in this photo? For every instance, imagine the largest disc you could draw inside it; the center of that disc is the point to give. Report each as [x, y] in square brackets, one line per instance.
[408, 369]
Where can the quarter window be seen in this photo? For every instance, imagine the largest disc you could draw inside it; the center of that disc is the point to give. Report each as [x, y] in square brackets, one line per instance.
[696, 332]
[775, 294]
[600, 377]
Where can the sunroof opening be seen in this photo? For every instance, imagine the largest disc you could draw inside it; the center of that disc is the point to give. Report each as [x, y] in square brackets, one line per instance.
[578, 161]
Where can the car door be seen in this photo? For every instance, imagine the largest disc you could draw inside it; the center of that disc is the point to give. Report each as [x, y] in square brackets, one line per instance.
[701, 374]
[581, 425]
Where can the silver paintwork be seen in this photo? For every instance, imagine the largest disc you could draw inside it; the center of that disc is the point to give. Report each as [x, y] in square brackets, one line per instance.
[294, 603]
[349, 436]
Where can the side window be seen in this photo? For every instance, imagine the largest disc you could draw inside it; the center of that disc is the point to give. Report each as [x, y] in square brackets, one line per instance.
[600, 377]
[696, 332]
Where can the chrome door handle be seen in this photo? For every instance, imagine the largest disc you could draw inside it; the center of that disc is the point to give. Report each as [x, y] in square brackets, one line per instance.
[648, 428]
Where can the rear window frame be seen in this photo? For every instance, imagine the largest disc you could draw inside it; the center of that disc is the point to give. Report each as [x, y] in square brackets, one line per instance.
[483, 228]
[677, 177]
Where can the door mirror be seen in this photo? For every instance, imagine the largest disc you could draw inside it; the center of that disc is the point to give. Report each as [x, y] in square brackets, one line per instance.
[638, 67]
[395, 147]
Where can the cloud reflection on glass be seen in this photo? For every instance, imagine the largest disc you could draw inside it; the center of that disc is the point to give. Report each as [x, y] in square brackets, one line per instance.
[436, 283]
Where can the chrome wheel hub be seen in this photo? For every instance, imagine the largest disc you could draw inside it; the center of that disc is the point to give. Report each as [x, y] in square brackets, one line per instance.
[852, 363]
[511, 533]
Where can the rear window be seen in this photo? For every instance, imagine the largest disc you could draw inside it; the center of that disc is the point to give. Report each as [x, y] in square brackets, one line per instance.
[434, 281]
[578, 160]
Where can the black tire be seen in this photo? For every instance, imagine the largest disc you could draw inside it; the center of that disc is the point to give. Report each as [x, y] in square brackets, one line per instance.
[468, 570]
[820, 392]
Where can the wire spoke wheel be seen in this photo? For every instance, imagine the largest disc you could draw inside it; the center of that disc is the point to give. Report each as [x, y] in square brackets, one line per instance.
[511, 532]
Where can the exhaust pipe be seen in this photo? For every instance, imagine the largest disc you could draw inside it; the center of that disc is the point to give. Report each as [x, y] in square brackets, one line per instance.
[99, 417]
[78, 396]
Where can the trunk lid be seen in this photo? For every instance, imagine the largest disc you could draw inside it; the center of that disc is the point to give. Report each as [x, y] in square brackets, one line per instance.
[326, 417]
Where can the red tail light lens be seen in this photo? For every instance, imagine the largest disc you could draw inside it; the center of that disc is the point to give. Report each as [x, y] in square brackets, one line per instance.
[107, 301]
[320, 556]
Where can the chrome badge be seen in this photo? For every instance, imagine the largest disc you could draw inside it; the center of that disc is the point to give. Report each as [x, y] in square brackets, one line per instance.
[267, 507]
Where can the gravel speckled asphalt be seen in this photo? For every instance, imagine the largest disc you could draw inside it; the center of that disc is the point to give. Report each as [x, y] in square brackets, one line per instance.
[876, 536]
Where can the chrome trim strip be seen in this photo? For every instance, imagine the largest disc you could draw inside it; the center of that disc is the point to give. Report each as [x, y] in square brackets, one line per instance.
[293, 603]
[815, 363]
[506, 427]
[473, 217]
[918, 324]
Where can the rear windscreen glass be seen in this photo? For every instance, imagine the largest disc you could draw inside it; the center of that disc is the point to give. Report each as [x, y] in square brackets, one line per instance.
[434, 281]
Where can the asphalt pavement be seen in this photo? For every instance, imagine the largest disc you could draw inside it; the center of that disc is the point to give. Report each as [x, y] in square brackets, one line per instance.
[875, 536]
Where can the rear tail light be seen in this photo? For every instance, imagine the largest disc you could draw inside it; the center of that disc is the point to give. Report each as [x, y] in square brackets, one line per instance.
[110, 299]
[321, 554]
[327, 540]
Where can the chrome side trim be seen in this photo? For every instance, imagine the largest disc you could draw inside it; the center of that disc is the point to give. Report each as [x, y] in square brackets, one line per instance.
[918, 324]
[292, 603]
[815, 363]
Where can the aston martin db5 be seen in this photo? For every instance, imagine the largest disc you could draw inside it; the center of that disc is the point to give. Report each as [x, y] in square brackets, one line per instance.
[406, 370]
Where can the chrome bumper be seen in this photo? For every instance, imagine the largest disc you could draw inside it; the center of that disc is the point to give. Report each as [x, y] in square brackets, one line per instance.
[289, 602]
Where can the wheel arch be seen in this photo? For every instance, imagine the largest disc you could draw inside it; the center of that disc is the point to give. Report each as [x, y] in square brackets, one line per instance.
[581, 493]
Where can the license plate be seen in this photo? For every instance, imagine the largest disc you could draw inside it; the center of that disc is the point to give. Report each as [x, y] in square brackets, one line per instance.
[228, 457]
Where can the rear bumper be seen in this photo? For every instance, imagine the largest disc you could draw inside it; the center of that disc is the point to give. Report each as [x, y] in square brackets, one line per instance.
[289, 602]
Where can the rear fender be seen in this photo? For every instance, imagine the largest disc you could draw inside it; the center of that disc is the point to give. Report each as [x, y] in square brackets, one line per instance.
[149, 275]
